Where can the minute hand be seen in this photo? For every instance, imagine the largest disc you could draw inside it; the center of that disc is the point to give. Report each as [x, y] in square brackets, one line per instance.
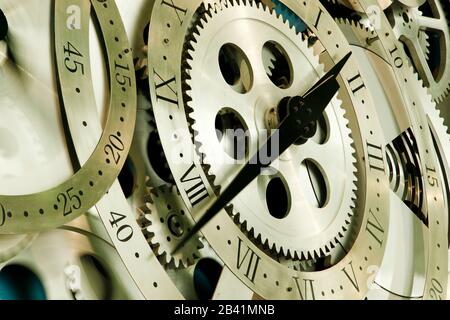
[296, 125]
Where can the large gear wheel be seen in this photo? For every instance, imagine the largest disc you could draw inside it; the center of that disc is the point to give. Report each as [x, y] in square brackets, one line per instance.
[165, 219]
[411, 25]
[405, 26]
[283, 225]
[423, 28]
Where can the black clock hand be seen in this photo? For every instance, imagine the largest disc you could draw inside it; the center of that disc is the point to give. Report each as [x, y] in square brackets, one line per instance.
[303, 112]
[334, 72]
[3, 26]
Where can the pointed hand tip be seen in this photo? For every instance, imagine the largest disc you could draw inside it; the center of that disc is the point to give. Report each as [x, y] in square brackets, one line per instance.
[340, 65]
[346, 57]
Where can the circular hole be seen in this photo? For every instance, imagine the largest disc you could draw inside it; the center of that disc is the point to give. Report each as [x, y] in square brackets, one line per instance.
[98, 277]
[231, 132]
[206, 275]
[405, 17]
[20, 283]
[277, 65]
[318, 183]
[277, 198]
[126, 178]
[235, 68]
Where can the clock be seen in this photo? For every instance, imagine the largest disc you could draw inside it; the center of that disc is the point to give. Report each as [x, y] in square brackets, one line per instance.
[227, 149]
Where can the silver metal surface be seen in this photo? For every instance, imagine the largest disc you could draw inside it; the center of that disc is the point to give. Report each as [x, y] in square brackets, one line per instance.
[308, 229]
[113, 208]
[271, 279]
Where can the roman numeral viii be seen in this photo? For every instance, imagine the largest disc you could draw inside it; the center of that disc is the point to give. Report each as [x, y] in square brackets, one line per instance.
[195, 188]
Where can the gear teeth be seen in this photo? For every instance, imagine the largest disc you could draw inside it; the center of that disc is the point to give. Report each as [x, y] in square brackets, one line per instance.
[440, 89]
[190, 46]
[159, 235]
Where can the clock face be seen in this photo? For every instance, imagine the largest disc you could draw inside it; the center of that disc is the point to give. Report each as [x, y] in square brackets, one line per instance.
[308, 227]
[266, 149]
[225, 82]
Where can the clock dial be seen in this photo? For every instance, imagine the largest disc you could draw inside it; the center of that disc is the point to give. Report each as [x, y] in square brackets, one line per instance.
[226, 149]
[187, 83]
[69, 199]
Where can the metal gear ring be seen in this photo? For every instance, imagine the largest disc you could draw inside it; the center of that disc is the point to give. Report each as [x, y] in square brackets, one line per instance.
[252, 96]
[165, 219]
[71, 198]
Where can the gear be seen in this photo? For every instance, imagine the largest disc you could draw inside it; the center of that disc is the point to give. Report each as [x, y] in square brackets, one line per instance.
[404, 19]
[357, 34]
[86, 264]
[287, 232]
[164, 220]
[423, 28]
[141, 63]
[287, 14]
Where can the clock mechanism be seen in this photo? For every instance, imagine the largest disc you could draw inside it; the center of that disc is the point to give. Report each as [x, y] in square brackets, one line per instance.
[224, 149]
